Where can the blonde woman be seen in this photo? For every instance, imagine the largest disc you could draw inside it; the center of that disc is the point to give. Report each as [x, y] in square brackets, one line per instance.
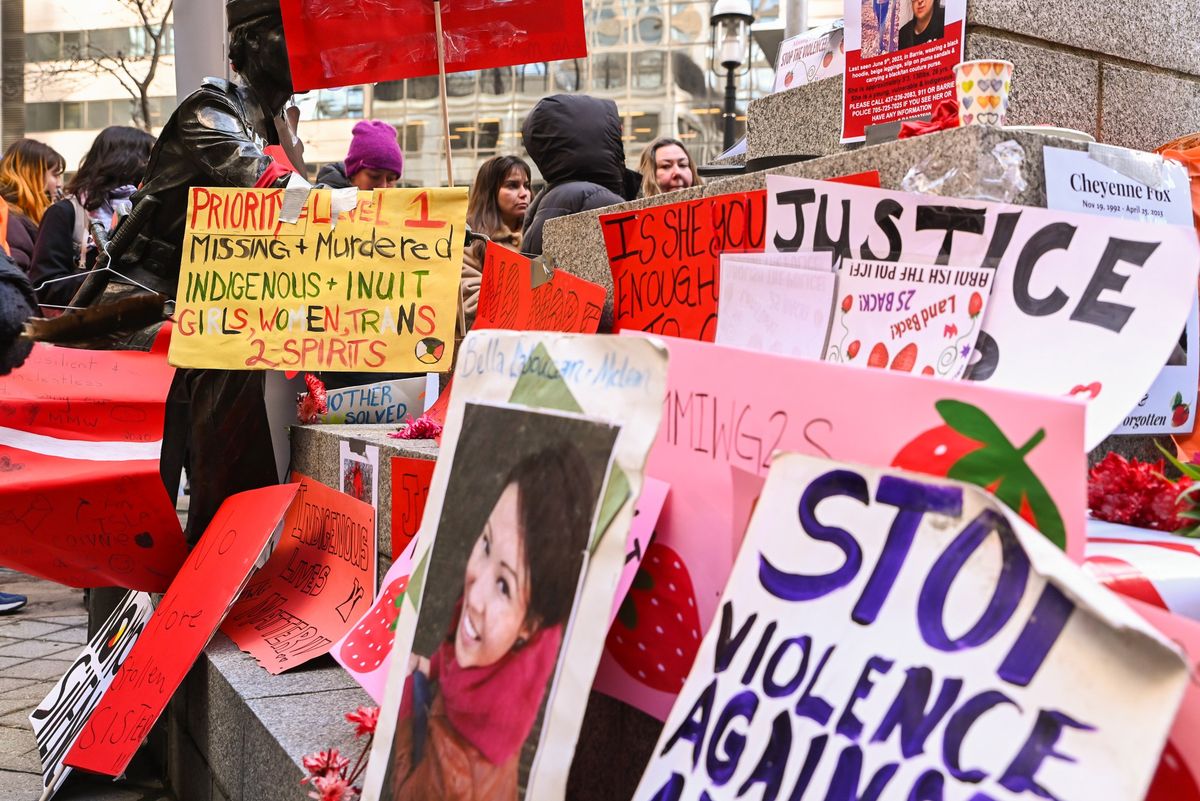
[666, 167]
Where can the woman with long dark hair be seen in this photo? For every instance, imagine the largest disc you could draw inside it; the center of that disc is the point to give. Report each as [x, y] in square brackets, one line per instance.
[107, 178]
[497, 205]
[30, 180]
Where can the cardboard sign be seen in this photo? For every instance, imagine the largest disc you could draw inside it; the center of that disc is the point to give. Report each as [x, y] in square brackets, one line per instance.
[1080, 306]
[374, 289]
[810, 57]
[390, 402]
[728, 407]
[366, 650]
[58, 719]
[82, 502]
[781, 310]
[645, 516]
[236, 542]
[893, 71]
[908, 317]
[666, 261]
[1075, 181]
[316, 584]
[508, 298]
[898, 633]
[410, 490]
[332, 45]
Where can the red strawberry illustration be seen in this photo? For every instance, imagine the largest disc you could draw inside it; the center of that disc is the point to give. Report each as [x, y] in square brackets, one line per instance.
[975, 305]
[847, 303]
[927, 370]
[906, 359]
[657, 631]
[1180, 411]
[879, 356]
[852, 349]
[1173, 781]
[371, 640]
[972, 448]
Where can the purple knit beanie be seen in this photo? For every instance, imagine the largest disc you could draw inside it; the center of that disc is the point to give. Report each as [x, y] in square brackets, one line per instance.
[374, 147]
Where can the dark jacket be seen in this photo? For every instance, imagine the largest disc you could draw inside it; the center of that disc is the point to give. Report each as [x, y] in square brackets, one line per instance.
[934, 31]
[56, 255]
[22, 233]
[334, 176]
[17, 304]
[575, 141]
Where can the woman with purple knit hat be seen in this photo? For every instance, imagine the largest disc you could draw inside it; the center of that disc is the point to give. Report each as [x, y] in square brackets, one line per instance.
[374, 160]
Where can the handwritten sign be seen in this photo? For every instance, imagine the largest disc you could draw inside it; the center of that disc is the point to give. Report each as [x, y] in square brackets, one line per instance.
[390, 402]
[58, 719]
[1080, 306]
[666, 260]
[410, 490]
[1032, 446]
[373, 289]
[782, 310]
[908, 317]
[314, 587]
[641, 532]
[366, 650]
[810, 57]
[82, 502]
[942, 660]
[236, 541]
[508, 299]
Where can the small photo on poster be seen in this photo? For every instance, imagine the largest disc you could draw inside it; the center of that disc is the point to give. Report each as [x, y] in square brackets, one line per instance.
[360, 472]
[503, 579]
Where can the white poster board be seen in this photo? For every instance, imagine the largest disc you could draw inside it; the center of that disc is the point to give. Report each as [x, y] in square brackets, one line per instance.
[782, 310]
[810, 57]
[893, 636]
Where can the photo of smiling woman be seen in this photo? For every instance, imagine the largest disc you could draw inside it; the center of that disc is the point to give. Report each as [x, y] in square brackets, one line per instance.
[503, 578]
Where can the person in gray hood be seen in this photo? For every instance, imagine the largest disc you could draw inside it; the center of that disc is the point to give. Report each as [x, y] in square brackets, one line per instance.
[575, 141]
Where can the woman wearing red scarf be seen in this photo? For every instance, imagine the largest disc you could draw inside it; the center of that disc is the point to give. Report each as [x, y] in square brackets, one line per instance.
[468, 710]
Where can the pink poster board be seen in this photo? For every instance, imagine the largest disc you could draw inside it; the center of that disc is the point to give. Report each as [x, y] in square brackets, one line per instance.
[645, 517]
[733, 408]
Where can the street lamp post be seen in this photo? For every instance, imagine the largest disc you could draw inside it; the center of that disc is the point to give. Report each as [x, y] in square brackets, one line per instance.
[731, 20]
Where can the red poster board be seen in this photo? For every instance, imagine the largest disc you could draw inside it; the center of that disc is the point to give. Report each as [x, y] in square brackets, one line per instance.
[316, 584]
[341, 44]
[81, 499]
[184, 622]
[508, 299]
[410, 490]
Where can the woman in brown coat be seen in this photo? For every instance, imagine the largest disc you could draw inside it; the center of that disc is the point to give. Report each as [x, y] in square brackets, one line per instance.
[497, 206]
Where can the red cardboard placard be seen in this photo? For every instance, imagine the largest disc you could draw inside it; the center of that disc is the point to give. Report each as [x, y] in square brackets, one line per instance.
[410, 490]
[342, 44]
[508, 300]
[315, 585]
[184, 622]
[81, 499]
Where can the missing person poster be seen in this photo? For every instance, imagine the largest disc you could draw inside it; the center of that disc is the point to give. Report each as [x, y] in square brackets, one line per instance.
[900, 56]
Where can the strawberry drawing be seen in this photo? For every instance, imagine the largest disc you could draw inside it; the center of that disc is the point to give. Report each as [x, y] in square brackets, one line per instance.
[972, 448]
[1173, 781]
[879, 356]
[657, 631]
[847, 304]
[906, 359]
[370, 642]
[975, 305]
[852, 349]
[1180, 411]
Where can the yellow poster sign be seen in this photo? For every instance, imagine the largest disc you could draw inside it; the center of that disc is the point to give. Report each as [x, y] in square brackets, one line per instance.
[376, 290]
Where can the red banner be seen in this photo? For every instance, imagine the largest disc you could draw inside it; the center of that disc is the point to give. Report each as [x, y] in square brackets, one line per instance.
[508, 299]
[184, 622]
[410, 490]
[342, 44]
[81, 500]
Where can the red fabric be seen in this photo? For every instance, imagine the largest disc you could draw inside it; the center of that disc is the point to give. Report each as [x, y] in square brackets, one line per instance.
[1122, 577]
[277, 169]
[494, 707]
[945, 115]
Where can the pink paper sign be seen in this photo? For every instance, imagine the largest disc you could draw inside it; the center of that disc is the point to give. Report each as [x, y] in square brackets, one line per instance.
[366, 651]
[645, 516]
[728, 407]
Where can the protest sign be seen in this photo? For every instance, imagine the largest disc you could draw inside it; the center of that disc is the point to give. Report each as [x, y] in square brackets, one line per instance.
[359, 471]
[1105, 185]
[332, 45]
[236, 542]
[733, 408]
[645, 516]
[536, 403]
[666, 260]
[782, 310]
[390, 402]
[410, 490]
[373, 289]
[82, 501]
[1080, 306]
[810, 57]
[316, 584]
[908, 317]
[366, 650]
[899, 65]
[58, 719]
[940, 640]
[508, 298]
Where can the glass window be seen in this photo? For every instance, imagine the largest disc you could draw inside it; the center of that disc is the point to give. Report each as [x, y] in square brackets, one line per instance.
[161, 109]
[461, 84]
[568, 75]
[496, 82]
[608, 28]
[411, 138]
[648, 69]
[72, 116]
[531, 78]
[487, 136]
[650, 26]
[390, 91]
[72, 44]
[462, 136]
[608, 71]
[111, 41]
[43, 116]
[355, 102]
[98, 114]
[42, 47]
[689, 23]
[643, 127]
[423, 88]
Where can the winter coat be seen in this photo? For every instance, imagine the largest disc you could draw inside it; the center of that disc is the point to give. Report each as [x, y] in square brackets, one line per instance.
[575, 141]
[334, 176]
[56, 255]
[472, 269]
[17, 304]
[21, 234]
